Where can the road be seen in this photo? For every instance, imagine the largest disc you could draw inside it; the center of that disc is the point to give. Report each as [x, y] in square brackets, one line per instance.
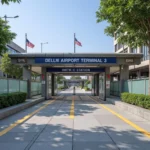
[78, 91]
[73, 123]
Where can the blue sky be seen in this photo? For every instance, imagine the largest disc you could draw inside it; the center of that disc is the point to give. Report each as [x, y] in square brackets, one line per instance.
[55, 21]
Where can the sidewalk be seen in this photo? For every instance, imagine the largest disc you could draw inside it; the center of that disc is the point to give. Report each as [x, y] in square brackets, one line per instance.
[19, 107]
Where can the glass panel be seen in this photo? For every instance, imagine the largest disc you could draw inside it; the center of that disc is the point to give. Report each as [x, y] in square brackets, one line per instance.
[3, 86]
[35, 88]
[49, 89]
[13, 85]
[23, 86]
[138, 86]
[55, 85]
[146, 86]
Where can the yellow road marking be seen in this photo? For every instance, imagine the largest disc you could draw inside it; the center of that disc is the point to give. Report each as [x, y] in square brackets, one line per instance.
[72, 109]
[138, 128]
[24, 119]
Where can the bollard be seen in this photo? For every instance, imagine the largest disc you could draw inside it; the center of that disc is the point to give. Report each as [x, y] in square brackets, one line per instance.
[74, 90]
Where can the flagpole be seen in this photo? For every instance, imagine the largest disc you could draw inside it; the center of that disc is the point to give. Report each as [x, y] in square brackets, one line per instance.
[74, 44]
[26, 42]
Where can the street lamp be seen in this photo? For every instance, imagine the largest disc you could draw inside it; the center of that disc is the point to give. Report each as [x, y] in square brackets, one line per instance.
[9, 17]
[42, 46]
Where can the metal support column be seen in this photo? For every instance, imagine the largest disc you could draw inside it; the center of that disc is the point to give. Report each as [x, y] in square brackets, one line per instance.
[27, 76]
[53, 85]
[124, 75]
[107, 79]
[44, 83]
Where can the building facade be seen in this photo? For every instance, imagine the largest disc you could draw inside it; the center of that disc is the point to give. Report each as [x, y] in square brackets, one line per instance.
[136, 71]
[13, 48]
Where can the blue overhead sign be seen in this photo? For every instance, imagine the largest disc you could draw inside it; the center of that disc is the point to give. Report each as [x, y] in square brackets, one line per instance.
[75, 60]
[75, 70]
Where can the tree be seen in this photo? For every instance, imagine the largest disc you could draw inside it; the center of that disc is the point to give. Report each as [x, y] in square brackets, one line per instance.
[7, 67]
[34, 75]
[60, 79]
[130, 19]
[8, 1]
[75, 77]
[5, 36]
[87, 82]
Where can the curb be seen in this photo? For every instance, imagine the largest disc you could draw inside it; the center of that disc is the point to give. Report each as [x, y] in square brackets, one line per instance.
[6, 112]
[141, 112]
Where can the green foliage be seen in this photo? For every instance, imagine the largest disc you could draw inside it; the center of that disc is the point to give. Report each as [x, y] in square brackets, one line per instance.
[8, 1]
[61, 88]
[7, 67]
[11, 99]
[87, 82]
[34, 75]
[75, 77]
[60, 79]
[136, 99]
[5, 36]
[130, 19]
[86, 88]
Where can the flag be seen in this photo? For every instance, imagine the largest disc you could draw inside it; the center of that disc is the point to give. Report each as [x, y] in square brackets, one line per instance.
[29, 44]
[77, 42]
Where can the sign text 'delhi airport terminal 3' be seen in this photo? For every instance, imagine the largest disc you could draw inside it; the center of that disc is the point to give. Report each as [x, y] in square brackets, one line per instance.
[75, 60]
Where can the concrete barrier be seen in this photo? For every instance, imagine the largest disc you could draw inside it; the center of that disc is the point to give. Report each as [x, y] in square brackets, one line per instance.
[141, 112]
[17, 108]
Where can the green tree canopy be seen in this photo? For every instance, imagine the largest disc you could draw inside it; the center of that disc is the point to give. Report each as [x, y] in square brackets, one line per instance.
[129, 19]
[60, 79]
[7, 67]
[8, 1]
[75, 77]
[5, 36]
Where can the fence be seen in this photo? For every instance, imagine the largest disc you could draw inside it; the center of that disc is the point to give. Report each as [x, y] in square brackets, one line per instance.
[115, 88]
[14, 85]
[137, 86]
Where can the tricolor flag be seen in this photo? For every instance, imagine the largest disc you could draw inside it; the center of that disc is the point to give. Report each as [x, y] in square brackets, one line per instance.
[77, 42]
[29, 44]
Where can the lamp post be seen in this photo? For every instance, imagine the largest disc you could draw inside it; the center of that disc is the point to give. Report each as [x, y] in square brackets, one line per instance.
[42, 46]
[9, 17]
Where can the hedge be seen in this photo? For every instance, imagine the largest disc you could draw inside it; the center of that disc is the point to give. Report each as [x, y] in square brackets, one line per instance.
[11, 99]
[136, 99]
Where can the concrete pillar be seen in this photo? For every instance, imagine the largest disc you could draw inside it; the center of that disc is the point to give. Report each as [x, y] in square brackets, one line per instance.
[139, 50]
[44, 83]
[129, 49]
[107, 79]
[53, 85]
[138, 74]
[124, 75]
[96, 85]
[27, 76]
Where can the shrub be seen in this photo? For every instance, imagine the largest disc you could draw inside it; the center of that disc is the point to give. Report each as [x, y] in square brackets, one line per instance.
[61, 88]
[86, 88]
[11, 99]
[136, 99]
